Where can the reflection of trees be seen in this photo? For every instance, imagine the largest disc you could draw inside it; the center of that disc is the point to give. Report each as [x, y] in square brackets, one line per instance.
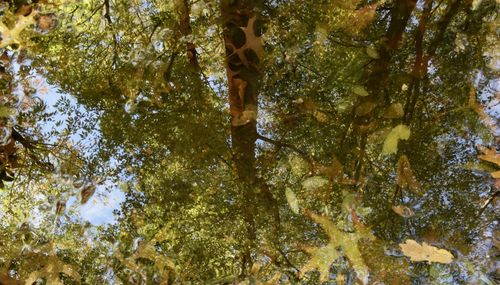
[207, 197]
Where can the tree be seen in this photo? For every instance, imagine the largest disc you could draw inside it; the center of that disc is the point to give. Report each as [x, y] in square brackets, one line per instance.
[352, 119]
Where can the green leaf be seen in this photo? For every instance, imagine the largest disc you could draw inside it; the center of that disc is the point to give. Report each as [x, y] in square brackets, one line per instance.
[322, 257]
[360, 91]
[314, 182]
[292, 200]
[400, 132]
[372, 52]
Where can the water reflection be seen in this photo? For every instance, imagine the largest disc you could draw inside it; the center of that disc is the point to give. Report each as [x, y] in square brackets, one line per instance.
[370, 158]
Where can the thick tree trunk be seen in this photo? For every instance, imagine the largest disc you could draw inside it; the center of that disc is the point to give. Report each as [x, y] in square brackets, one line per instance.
[243, 54]
[379, 74]
[378, 77]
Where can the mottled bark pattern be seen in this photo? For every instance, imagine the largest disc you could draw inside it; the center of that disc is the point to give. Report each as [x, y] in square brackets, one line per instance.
[244, 51]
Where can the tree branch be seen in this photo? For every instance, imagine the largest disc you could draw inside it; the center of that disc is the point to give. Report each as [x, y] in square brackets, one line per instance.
[282, 144]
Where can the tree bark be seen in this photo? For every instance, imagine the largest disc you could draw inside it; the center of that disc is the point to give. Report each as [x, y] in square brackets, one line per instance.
[379, 74]
[422, 60]
[243, 55]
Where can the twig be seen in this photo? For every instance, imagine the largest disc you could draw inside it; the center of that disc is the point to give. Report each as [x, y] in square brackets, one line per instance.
[485, 205]
[282, 144]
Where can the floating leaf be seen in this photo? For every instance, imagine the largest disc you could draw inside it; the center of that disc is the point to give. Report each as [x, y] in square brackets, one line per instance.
[403, 211]
[405, 177]
[372, 52]
[360, 90]
[298, 166]
[486, 119]
[320, 116]
[7, 280]
[400, 132]
[476, 4]
[425, 252]
[334, 171]
[60, 207]
[46, 22]
[86, 193]
[292, 201]
[365, 108]
[492, 156]
[12, 36]
[322, 257]
[147, 250]
[51, 270]
[394, 111]
[314, 182]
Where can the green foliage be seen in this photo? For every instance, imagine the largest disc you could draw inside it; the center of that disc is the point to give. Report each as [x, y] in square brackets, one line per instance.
[338, 92]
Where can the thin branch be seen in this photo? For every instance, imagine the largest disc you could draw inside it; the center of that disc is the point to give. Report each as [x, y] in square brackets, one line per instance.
[107, 13]
[485, 205]
[283, 144]
[92, 14]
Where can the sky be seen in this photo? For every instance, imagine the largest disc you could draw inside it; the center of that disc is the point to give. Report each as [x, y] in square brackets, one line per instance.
[99, 209]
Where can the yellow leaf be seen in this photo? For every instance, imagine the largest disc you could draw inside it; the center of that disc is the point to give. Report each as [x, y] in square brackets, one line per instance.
[490, 155]
[12, 36]
[323, 257]
[425, 252]
[372, 52]
[360, 91]
[400, 132]
[292, 201]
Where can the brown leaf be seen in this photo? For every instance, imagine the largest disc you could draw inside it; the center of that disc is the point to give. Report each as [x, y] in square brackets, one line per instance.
[365, 108]
[7, 280]
[490, 155]
[486, 119]
[323, 257]
[86, 193]
[425, 252]
[24, 10]
[403, 211]
[46, 22]
[405, 177]
[394, 111]
[334, 171]
[60, 207]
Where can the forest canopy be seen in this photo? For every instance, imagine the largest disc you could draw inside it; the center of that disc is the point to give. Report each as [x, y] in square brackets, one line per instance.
[252, 142]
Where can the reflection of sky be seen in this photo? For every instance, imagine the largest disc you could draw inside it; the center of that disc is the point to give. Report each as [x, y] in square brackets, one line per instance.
[99, 209]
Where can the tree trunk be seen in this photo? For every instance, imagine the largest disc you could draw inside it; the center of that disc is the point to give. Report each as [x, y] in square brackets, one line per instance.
[244, 52]
[378, 77]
